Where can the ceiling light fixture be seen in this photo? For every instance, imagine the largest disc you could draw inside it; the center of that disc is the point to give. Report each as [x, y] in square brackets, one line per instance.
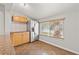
[26, 5]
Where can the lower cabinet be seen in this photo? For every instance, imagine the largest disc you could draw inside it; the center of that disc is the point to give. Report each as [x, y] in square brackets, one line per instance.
[25, 37]
[19, 38]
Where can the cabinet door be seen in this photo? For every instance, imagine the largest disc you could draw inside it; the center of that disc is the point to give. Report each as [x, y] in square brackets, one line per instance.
[21, 19]
[25, 37]
[17, 39]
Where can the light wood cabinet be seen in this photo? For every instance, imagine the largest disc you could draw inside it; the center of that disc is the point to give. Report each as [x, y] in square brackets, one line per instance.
[19, 38]
[21, 19]
[25, 37]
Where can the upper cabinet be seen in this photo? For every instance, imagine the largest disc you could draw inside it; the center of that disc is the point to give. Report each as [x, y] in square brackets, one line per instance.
[20, 19]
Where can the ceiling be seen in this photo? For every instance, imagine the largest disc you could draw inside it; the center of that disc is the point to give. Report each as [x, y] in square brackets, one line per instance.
[42, 10]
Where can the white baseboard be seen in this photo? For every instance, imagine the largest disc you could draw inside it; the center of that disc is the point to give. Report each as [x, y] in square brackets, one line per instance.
[60, 47]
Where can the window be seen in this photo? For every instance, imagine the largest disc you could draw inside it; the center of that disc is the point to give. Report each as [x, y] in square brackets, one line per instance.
[53, 28]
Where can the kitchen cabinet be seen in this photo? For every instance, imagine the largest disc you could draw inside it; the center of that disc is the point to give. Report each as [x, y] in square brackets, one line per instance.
[20, 19]
[19, 38]
[25, 36]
